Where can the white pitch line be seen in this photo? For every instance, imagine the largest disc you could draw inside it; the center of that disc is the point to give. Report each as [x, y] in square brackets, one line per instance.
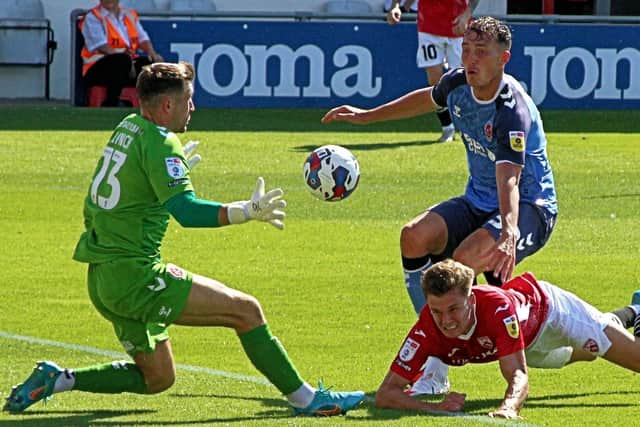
[484, 419]
[117, 355]
[218, 373]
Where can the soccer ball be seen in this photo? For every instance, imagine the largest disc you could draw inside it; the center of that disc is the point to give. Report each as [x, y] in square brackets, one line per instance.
[331, 173]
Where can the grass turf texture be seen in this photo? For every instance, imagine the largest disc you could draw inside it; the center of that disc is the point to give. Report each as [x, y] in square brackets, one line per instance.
[330, 284]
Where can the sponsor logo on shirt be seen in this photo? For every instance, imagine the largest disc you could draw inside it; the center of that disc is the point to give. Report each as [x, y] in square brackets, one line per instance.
[175, 167]
[516, 140]
[461, 360]
[403, 366]
[476, 148]
[408, 350]
[487, 354]
[177, 182]
[420, 332]
[511, 324]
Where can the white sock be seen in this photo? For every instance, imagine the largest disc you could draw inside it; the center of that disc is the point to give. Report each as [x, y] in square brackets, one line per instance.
[302, 397]
[65, 381]
[436, 367]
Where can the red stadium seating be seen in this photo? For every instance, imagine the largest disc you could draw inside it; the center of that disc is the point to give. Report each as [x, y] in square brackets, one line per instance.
[97, 94]
[129, 94]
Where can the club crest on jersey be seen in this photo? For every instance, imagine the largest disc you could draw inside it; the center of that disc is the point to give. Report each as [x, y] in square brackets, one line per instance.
[516, 140]
[488, 131]
[408, 350]
[511, 324]
[175, 167]
[591, 346]
[176, 271]
[485, 342]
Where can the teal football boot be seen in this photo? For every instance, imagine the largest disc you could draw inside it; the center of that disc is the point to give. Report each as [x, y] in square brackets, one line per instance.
[38, 386]
[328, 403]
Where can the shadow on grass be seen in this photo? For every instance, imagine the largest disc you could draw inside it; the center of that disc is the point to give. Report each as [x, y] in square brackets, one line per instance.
[275, 402]
[292, 120]
[373, 145]
[278, 409]
[612, 196]
[67, 418]
[555, 400]
[481, 407]
[101, 418]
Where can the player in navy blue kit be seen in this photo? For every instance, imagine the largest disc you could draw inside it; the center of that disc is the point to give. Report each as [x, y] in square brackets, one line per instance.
[509, 207]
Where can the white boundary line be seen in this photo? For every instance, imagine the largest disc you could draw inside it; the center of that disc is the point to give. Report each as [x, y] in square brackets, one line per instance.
[117, 355]
[218, 373]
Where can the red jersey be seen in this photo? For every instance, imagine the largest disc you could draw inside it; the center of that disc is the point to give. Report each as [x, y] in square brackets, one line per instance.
[507, 320]
[437, 16]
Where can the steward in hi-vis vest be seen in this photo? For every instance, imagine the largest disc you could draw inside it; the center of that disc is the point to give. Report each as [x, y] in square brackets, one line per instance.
[116, 47]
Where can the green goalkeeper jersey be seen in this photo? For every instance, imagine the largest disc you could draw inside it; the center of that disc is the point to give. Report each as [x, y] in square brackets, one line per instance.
[142, 166]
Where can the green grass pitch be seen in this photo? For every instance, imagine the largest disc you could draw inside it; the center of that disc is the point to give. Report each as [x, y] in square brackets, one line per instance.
[330, 283]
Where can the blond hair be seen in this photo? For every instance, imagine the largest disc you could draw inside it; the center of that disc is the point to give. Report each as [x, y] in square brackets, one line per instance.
[447, 275]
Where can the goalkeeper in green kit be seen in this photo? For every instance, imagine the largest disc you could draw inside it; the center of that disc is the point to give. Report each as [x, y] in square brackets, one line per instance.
[142, 178]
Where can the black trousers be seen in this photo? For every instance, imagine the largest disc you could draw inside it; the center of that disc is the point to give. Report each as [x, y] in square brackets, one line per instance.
[115, 72]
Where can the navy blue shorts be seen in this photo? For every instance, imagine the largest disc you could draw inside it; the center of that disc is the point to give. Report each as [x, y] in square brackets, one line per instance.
[462, 219]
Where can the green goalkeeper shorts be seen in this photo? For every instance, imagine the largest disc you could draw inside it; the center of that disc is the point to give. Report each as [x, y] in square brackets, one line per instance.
[140, 298]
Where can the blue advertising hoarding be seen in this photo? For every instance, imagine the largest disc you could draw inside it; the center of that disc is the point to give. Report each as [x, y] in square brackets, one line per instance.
[578, 66]
[262, 63]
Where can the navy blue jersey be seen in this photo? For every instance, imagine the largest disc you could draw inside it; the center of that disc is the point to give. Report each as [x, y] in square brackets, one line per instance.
[507, 128]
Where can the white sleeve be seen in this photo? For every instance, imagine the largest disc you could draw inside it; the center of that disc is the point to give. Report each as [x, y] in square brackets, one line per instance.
[143, 34]
[93, 32]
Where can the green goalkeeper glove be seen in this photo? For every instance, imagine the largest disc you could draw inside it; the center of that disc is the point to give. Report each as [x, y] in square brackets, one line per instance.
[261, 207]
[189, 148]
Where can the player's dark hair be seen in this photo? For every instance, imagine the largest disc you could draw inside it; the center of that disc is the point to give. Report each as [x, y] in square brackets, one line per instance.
[445, 276]
[491, 28]
[163, 78]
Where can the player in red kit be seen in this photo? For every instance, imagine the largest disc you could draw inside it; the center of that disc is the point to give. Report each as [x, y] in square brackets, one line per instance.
[526, 322]
[441, 24]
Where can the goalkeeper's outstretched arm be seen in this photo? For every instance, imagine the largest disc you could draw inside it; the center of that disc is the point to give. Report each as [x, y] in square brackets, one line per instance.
[190, 211]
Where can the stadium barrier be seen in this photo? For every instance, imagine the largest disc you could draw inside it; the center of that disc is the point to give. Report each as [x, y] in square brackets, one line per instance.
[319, 60]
